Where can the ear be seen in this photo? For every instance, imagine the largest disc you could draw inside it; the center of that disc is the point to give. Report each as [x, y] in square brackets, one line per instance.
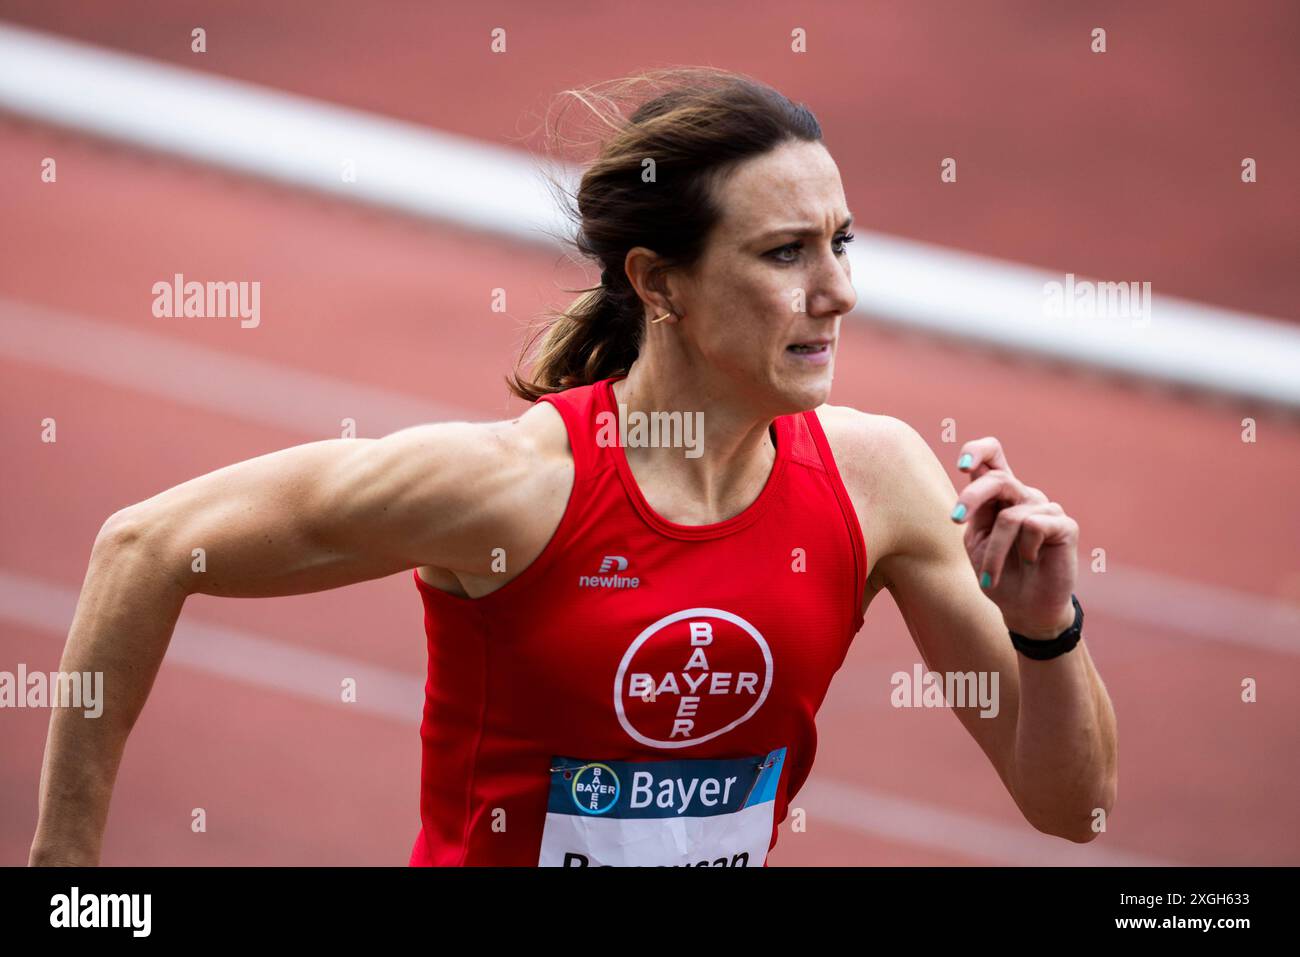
[650, 276]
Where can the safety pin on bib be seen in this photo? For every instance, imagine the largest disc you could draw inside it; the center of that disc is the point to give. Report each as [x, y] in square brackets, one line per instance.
[770, 762]
[572, 767]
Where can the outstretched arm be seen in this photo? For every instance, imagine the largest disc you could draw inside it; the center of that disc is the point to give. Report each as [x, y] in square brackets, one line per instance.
[304, 519]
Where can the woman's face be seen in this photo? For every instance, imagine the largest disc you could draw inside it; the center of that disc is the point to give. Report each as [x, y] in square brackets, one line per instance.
[762, 308]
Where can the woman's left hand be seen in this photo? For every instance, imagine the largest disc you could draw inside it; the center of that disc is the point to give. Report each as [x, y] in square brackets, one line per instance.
[1023, 547]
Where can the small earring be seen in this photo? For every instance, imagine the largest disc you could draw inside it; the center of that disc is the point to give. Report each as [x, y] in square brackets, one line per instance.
[661, 318]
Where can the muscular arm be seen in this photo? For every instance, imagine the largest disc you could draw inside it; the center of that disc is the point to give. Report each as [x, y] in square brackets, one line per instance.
[304, 519]
[1052, 740]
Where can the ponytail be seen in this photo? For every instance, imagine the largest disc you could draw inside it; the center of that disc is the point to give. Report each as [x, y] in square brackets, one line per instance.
[598, 336]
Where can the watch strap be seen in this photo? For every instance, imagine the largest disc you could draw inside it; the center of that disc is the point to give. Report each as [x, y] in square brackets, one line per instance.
[1041, 650]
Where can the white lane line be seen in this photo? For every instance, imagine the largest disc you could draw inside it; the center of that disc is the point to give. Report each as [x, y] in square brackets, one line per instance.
[313, 675]
[234, 654]
[266, 393]
[253, 390]
[909, 821]
[265, 133]
[291, 139]
[965, 296]
[1194, 609]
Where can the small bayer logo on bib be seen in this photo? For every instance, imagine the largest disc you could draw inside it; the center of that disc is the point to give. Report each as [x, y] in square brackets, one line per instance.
[595, 788]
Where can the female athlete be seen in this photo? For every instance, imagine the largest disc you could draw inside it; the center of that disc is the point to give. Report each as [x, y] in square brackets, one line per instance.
[637, 591]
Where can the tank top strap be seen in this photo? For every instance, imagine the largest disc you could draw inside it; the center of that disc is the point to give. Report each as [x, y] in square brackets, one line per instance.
[812, 425]
[800, 440]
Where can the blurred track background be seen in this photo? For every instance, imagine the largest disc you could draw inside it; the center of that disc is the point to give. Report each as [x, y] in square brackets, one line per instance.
[1121, 166]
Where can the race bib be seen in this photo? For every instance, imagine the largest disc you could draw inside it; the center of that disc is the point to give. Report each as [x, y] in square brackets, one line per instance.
[681, 813]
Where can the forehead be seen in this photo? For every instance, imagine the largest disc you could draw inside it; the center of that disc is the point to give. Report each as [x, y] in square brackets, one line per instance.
[796, 182]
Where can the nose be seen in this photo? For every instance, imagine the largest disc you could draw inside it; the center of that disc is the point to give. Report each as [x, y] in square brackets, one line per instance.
[833, 293]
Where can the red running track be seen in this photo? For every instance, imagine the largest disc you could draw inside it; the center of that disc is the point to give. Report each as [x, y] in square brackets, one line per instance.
[1161, 481]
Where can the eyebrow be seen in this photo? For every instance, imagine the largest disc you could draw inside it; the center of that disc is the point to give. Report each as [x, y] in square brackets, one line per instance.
[803, 230]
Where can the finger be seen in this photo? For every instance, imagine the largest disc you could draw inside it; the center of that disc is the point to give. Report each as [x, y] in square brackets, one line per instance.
[981, 500]
[979, 456]
[1033, 533]
[1006, 529]
[1053, 529]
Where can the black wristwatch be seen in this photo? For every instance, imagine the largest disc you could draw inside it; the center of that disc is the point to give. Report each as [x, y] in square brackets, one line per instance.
[1065, 641]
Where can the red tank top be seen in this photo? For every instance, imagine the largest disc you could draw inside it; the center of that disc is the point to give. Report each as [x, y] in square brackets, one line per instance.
[644, 692]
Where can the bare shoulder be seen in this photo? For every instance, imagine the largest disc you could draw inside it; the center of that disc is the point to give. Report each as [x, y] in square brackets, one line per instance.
[537, 456]
[508, 492]
[863, 438]
[456, 463]
[890, 472]
[874, 453]
[535, 474]
[541, 432]
[476, 457]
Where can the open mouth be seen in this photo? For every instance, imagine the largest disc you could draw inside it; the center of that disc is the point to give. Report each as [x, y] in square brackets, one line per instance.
[809, 348]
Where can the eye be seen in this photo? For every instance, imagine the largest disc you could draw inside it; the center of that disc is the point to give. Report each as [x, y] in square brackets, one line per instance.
[795, 247]
[788, 247]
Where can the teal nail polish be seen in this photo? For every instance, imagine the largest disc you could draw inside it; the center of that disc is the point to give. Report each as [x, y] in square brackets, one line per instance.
[965, 461]
[959, 512]
[986, 580]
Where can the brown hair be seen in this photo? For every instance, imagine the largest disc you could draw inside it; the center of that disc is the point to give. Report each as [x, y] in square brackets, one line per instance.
[696, 131]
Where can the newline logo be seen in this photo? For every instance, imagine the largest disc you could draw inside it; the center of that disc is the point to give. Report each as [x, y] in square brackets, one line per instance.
[611, 563]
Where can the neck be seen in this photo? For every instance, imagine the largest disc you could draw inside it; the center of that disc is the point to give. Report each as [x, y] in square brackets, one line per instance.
[733, 453]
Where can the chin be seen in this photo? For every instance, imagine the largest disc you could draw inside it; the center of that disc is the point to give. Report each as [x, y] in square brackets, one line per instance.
[805, 391]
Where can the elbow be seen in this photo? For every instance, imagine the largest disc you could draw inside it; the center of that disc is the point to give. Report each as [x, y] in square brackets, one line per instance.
[1076, 828]
[1072, 833]
[139, 544]
[130, 538]
[1080, 825]
[123, 531]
